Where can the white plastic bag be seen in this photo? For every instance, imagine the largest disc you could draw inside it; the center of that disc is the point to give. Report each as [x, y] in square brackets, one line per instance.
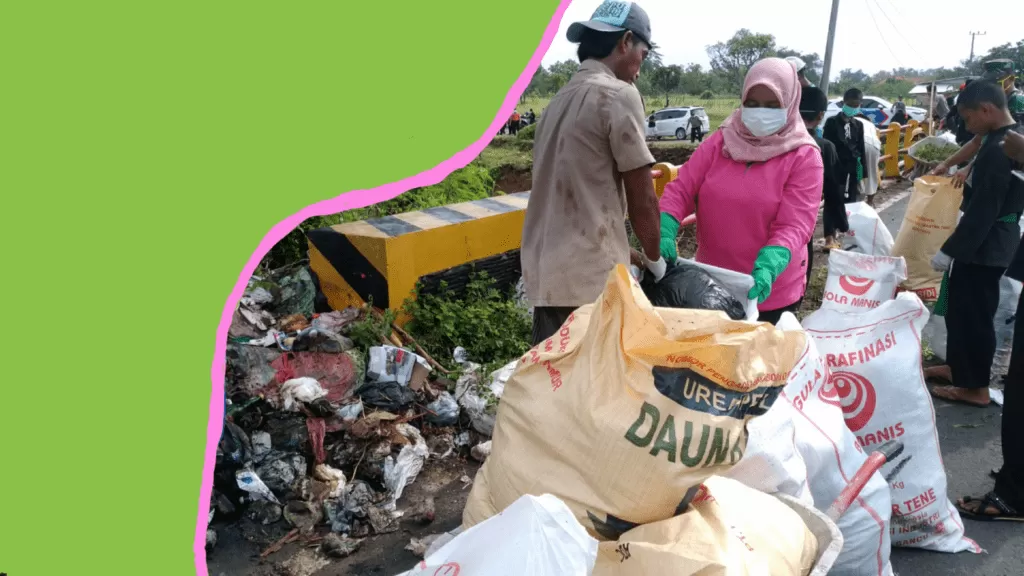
[859, 282]
[771, 462]
[874, 360]
[1006, 313]
[535, 535]
[299, 390]
[872, 152]
[401, 471]
[390, 364]
[832, 457]
[737, 284]
[868, 234]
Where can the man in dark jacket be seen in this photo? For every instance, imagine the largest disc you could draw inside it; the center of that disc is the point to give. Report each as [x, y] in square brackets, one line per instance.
[1006, 500]
[813, 103]
[847, 135]
[980, 248]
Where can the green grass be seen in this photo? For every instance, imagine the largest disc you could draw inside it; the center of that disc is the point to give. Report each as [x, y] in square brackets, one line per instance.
[498, 156]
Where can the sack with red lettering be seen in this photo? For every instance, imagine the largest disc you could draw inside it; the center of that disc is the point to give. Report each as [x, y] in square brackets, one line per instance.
[874, 360]
[859, 282]
[832, 457]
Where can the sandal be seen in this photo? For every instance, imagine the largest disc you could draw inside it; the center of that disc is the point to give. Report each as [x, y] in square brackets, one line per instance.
[831, 246]
[951, 394]
[991, 501]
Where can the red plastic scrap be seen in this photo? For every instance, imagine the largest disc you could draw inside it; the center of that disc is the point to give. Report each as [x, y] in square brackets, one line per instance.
[335, 372]
[317, 429]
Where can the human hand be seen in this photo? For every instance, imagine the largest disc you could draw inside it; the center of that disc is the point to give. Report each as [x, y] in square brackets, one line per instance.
[960, 178]
[941, 262]
[762, 285]
[941, 170]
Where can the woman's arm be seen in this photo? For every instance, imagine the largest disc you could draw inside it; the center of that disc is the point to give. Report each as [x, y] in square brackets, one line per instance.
[680, 196]
[801, 195]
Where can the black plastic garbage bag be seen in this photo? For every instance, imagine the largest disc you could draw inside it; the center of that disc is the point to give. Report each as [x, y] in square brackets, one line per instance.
[687, 286]
[390, 396]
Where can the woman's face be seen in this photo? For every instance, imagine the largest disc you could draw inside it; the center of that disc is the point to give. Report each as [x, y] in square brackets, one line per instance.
[761, 96]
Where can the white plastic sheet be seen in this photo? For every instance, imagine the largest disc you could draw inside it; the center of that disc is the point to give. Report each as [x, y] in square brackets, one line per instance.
[535, 535]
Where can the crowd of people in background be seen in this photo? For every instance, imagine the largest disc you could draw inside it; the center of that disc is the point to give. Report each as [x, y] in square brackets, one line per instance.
[760, 180]
[518, 121]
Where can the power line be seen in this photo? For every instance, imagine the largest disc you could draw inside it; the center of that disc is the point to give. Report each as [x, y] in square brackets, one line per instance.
[896, 28]
[880, 35]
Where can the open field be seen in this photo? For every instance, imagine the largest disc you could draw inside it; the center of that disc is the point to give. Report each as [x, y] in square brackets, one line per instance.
[718, 109]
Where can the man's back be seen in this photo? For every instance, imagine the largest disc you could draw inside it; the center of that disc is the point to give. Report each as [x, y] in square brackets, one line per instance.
[988, 233]
[574, 234]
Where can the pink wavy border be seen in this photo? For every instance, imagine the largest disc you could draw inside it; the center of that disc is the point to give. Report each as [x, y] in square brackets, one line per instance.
[354, 199]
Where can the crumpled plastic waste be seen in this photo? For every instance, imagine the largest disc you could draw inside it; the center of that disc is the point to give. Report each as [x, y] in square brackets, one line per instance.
[390, 396]
[419, 546]
[336, 321]
[342, 512]
[392, 364]
[261, 445]
[350, 412]
[300, 390]
[251, 483]
[444, 411]
[334, 478]
[401, 471]
[473, 399]
[687, 286]
[263, 512]
[280, 472]
[481, 451]
[302, 515]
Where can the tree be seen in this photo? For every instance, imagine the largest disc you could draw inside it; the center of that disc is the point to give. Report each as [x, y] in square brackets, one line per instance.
[813, 61]
[560, 74]
[694, 80]
[666, 79]
[736, 55]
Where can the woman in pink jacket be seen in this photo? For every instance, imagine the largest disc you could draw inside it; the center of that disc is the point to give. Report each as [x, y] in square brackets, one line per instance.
[755, 186]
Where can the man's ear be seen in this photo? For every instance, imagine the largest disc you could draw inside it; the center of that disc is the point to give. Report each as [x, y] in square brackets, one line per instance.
[821, 117]
[626, 42]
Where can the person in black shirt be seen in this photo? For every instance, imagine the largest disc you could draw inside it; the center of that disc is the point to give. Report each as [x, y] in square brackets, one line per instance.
[813, 103]
[1006, 500]
[980, 248]
[847, 135]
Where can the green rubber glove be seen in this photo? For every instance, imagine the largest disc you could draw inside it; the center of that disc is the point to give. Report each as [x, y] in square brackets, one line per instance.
[669, 230]
[860, 170]
[771, 261]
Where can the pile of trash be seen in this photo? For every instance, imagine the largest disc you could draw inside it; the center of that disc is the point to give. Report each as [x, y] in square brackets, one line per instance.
[323, 436]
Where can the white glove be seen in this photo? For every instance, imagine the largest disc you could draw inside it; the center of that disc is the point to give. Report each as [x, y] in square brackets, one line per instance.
[941, 262]
[657, 268]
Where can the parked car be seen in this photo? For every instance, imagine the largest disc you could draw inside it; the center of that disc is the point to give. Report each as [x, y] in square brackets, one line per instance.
[879, 110]
[675, 122]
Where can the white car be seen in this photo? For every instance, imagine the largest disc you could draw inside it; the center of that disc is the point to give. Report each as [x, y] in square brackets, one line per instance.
[879, 110]
[675, 122]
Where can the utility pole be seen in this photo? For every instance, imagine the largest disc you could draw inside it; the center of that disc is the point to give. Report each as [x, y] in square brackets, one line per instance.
[827, 68]
[973, 34]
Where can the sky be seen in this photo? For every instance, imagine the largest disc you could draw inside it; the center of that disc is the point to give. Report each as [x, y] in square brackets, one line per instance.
[931, 34]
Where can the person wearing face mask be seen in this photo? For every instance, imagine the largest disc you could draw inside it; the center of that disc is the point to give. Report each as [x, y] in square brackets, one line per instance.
[755, 186]
[591, 166]
[847, 135]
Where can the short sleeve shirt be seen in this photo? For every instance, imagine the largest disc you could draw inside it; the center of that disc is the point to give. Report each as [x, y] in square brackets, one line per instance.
[574, 234]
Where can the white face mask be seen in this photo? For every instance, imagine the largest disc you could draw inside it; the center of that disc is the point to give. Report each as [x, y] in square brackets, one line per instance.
[763, 121]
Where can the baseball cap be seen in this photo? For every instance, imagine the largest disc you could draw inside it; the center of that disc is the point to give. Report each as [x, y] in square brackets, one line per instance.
[796, 62]
[612, 16]
[998, 69]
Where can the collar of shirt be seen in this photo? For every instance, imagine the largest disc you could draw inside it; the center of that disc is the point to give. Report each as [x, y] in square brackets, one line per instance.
[595, 66]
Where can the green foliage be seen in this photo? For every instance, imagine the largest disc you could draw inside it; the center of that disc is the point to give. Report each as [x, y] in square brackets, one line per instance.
[527, 133]
[707, 95]
[484, 321]
[473, 182]
[371, 330]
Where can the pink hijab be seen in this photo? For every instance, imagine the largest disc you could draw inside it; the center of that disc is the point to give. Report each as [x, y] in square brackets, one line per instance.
[780, 77]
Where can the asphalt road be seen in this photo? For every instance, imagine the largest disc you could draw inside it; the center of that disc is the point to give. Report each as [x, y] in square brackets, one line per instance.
[969, 438]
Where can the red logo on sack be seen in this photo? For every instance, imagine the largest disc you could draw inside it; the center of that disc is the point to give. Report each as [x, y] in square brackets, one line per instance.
[449, 569]
[855, 286]
[854, 394]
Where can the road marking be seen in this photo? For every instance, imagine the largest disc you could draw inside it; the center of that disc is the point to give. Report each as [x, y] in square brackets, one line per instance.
[892, 201]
